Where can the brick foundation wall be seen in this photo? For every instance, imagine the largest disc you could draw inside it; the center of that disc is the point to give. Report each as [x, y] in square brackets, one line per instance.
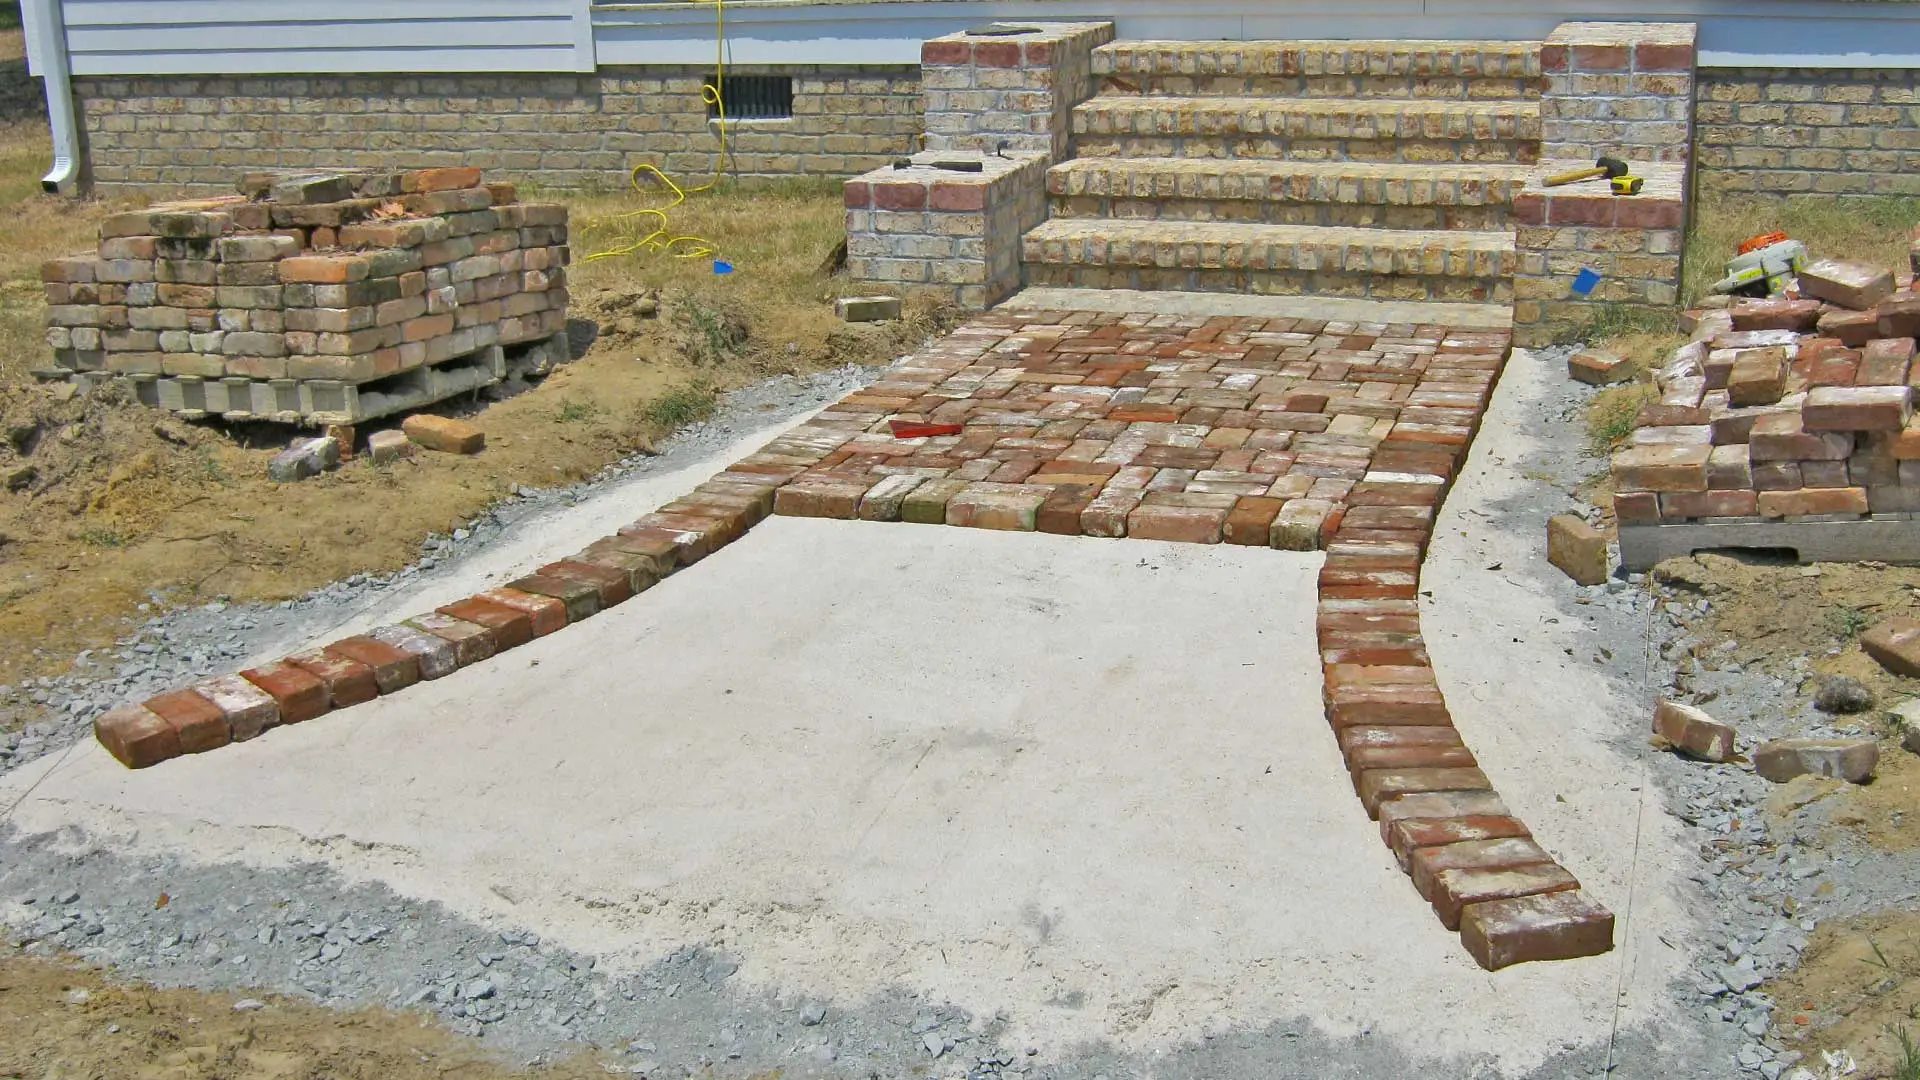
[1783, 131]
[566, 131]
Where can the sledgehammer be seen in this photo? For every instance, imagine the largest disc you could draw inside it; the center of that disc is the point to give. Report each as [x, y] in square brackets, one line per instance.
[1606, 166]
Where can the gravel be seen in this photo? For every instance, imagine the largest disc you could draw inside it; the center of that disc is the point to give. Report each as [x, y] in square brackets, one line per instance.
[173, 648]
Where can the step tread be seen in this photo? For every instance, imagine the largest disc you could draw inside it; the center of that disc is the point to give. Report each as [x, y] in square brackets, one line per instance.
[1237, 106]
[1208, 232]
[1254, 168]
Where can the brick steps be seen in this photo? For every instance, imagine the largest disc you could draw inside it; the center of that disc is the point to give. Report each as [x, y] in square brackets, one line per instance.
[1347, 194]
[1471, 70]
[1308, 129]
[1401, 264]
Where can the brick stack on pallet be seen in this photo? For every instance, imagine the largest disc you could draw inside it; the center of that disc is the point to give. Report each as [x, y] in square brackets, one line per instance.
[1782, 412]
[315, 299]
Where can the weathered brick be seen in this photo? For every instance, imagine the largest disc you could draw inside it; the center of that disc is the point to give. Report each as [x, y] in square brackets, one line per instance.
[471, 641]
[393, 668]
[136, 736]
[436, 657]
[198, 724]
[1846, 284]
[298, 694]
[543, 615]
[1559, 925]
[348, 682]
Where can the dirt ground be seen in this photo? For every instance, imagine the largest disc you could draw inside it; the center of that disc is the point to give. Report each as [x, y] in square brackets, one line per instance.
[59, 1022]
[108, 506]
[1858, 989]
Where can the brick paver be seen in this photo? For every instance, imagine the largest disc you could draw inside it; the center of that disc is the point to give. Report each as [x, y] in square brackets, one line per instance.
[1288, 433]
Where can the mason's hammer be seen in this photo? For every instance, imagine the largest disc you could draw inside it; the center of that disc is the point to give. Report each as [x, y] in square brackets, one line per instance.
[1606, 166]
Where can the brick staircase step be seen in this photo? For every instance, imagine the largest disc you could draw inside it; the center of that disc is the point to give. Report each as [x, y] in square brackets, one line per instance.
[1473, 70]
[1350, 194]
[1279, 260]
[1308, 129]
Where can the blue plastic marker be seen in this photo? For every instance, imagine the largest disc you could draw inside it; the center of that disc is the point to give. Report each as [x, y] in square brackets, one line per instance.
[723, 267]
[1585, 280]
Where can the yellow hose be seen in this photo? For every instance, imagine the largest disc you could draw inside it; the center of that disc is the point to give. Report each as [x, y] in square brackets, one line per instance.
[661, 239]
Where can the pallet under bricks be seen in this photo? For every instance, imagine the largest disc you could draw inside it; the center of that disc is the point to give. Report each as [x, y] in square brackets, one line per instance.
[319, 298]
[1291, 433]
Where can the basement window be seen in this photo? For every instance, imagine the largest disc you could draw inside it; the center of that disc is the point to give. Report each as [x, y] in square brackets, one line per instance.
[754, 97]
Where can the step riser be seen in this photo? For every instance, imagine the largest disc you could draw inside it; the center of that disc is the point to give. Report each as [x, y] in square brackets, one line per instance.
[1275, 283]
[1440, 59]
[1415, 87]
[1272, 212]
[1490, 150]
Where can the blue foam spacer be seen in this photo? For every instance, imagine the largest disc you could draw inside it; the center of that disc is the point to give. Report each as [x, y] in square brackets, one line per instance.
[1585, 280]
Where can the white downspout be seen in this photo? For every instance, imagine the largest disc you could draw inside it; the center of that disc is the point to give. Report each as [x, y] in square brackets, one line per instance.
[51, 57]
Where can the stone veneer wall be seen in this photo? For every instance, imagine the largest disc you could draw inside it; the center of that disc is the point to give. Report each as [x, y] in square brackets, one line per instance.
[1787, 132]
[567, 131]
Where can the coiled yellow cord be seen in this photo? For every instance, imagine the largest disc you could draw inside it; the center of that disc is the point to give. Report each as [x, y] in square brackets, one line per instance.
[661, 238]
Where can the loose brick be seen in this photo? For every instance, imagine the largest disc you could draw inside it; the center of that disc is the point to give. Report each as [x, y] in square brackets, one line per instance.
[1885, 362]
[927, 504]
[249, 709]
[507, 627]
[297, 693]
[1759, 376]
[198, 724]
[436, 656]
[1784, 437]
[1424, 864]
[823, 499]
[1775, 314]
[996, 506]
[882, 501]
[1692, 731]
[1375, 786]
[471, 641]
[1846, 284]
[1600, 367]
[1578, 549]
[1661, 468]
[1188, 524]
[394, 669]
[610, 586]
[1852, 760]
[348, 681]
[443, 434]
[1777, 504]
[136, 736]
[1895, 645]
[1852, 328]
[580, 598]
[1560, 925]
[1406, 835]
[1438, 805]
[1857, 408]
[1454, 890]
[541, 615]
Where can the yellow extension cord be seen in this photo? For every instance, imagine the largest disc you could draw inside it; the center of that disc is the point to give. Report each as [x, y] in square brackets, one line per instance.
[661, 238]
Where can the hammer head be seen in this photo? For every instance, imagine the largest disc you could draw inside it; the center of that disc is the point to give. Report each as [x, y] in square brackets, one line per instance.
[1614, 166]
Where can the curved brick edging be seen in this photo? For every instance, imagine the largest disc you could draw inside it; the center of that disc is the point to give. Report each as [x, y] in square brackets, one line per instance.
[1352, 434]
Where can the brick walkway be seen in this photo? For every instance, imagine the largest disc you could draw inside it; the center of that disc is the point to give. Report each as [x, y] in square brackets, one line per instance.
[1291, 433]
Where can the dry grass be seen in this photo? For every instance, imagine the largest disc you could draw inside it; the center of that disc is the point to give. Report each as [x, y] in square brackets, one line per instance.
[1610, 415]
[13, 43]
[1869, 229]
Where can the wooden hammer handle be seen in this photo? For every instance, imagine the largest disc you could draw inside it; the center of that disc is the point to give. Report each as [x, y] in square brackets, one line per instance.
[1573, 177]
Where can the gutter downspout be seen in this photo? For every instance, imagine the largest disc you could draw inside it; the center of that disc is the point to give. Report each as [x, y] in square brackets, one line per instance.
[56, 74]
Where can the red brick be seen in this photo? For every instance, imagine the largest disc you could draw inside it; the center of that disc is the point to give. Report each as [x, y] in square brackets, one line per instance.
[444, 434]
[1895, 645]
[248, 709]
[1636, 508]
[996, 54]
[857, 195]
[1600, 58]
[348, 682]
[508, 627]
[1039, 53]
[1846, 284]
[1775, 314]
[946, 53]
[544, 614]
[958, 197]
[1060, 514]
[1649, 214]
[580, 599]
[1441, 804]
[1188, 524]
[1453, 890]
[1375, 786]
[1899, 316]
[1425, 863]
[1857, 408]
[1885, 362]
[1849, 500]
[1544, 926]
[1661, 468]
[1699, 504]
[1555, 58]
[426, 181]
[299, 695]
[1530, 208]
[821, 499]
[136, 737]
[899, 195]
[1759, 376]
[1410, 757]
[393, 668]
[1569, 209]
[323, 269]
[611, 585]
[1405, 835]
[1850, 328]
[1418, 708]
[471, 642]
[436, 656]
[1652, 56]
[662, 555]
[198, 723]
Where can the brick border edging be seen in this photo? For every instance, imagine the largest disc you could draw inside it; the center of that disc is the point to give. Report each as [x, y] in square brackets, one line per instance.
[1467, 854]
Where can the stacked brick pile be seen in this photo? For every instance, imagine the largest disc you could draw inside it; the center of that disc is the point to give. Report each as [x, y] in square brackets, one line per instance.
[1796, 410]
[325, 299]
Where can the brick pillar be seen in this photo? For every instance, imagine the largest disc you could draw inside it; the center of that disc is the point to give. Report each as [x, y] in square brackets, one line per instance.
[1622, 90]
[955, 235]
[1020, 89]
